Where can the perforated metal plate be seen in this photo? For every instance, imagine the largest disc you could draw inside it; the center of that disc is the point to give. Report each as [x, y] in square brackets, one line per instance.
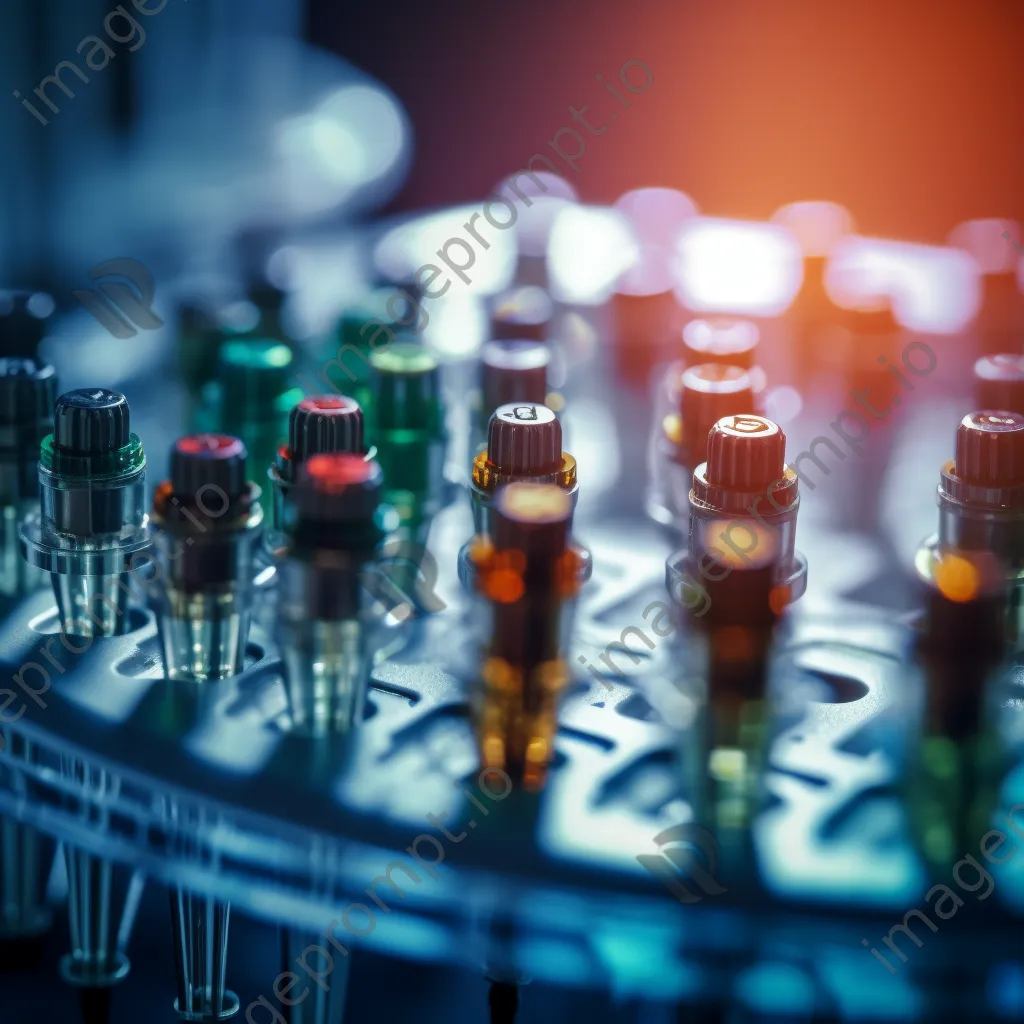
[205, 788]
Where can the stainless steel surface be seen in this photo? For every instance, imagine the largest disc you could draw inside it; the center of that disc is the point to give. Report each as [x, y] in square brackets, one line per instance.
[26, 856]
[326, 664]
[199, 926]
[17, 576]
[203, 634]
[325, 1003]
[92, 606]
[103, 896]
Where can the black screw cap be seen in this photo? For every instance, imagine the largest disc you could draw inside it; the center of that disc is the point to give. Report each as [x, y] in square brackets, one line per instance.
[91, 421]
[338, 489]
[27, 393]
[325, 425]
[208, 470]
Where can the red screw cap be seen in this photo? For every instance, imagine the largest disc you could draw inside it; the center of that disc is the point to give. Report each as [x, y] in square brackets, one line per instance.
[745, 453]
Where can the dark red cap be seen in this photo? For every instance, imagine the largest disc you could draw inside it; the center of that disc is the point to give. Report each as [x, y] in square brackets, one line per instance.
[999, 382]
[745, 453]
[525, 440]
[533, 519]
[990, 448]
[338, 488]
[513, 371]
[522, 313]
[709, 392]
[721, 340]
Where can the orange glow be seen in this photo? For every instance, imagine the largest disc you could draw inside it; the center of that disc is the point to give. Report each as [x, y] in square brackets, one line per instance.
[504, 586]
[534, 503]
[567, 573]
[493, 750]
[480, 548]
[163, 492]
[956, 578]
[499, 675]
[512, 559]
[734, 643]
[780, 598]
[740, 543]
[673, 428]
[333, 473]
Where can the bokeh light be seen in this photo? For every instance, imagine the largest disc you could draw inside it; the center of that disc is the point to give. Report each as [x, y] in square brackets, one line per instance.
[818, 225]
[538, 205]
[736, 266]
[354, 137]
[986, 240]
[655, 216]
[589, 249]
[416, 242]
[932, 289]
